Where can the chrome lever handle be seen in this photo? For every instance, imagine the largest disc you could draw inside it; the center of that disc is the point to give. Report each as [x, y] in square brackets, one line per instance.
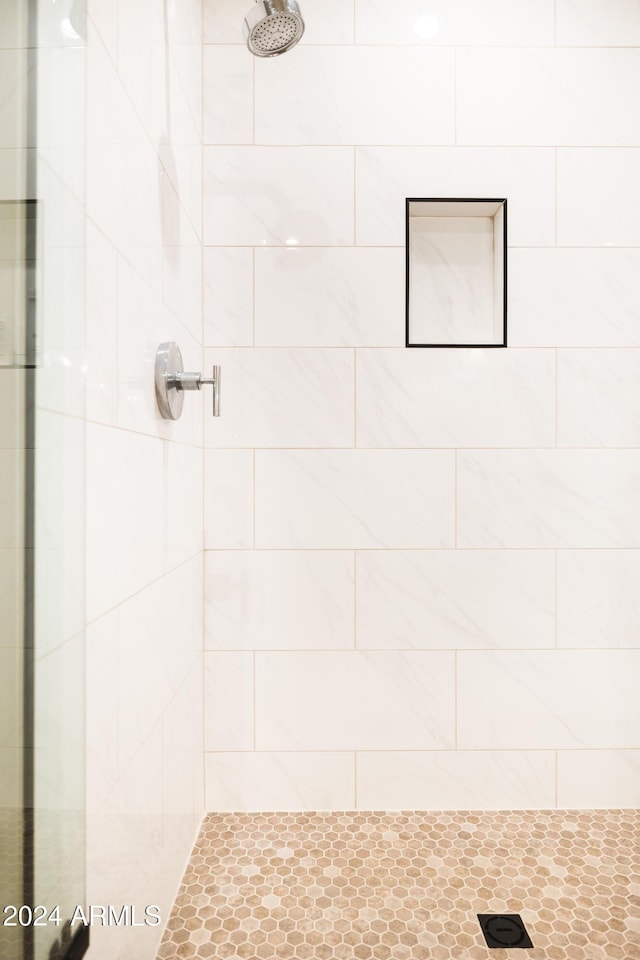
[214, 380]
[172, 381]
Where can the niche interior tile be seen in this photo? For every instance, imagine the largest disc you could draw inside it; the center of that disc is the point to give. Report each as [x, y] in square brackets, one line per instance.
[283, 397]
[456, 398]
[228, 296]
[551, 96]
[548, 699]
[323, 296]
[608, 178]
[598, 599]
[599, 778]
[588, 23]
[599, 398]
[266, 600]
[548, 498]
[574, 298]
[455, 780]
[457, 22]
[455, 599]
[379, 701]
[228, 499]
[387, 175]
[228, 701]
[354, 498]
[278, 195]
[279, 781]
[228, 105]
[335, 95]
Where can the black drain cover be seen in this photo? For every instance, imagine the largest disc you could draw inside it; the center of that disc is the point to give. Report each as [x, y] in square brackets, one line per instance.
[504, 930]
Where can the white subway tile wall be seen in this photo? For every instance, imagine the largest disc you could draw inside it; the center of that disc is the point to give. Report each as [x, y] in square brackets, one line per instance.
[422, 565]
[145, 778]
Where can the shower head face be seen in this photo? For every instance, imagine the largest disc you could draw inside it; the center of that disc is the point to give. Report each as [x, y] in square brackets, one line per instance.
[273, 27]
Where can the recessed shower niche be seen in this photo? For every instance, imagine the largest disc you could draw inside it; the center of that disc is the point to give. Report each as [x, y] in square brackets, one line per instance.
[456, 273]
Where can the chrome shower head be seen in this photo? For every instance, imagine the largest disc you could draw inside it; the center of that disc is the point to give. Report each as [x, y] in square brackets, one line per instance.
[273, 27]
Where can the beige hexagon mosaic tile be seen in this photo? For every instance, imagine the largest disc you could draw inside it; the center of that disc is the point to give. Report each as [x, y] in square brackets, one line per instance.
[408, 886]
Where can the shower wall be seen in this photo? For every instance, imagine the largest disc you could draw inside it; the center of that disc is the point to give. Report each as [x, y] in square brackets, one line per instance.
[144, 484]
[421, 566]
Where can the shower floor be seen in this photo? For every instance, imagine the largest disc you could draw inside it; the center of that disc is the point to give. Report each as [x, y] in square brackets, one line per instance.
[408, 886]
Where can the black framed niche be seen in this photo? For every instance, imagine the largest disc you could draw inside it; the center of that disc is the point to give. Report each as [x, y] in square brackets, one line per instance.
[456, 253]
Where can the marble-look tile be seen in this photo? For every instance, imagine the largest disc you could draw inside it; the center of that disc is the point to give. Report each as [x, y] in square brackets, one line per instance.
[11, 486]
[283, 398]
[345, 499]
[548, 498]
[11, 779]
[553, 96]
[598, 598]
[124, 502]
[590, 23]
[598, 197]
[337, 95]
[228, 105]
[574, 298]
[270, 600]
[278, 195]
[183, 503]
[12, 595]
[181, 264]
[326, 21]
[456, 398]
[158, 644]
[183, 751]
[228, 297]
[279, 781]
[101, 709]
[599, 779]
[355, 700]
[599, 398]
[323, 296]
[12, 425]
[11, 696]
[228, 499]
[387, 175]
[548, 699]
[455, 599]
[228, 701]
[101, 327]
[455, 22]
[447, 780]
[124, 200]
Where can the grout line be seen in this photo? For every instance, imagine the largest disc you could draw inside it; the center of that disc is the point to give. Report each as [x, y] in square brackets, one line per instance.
[557, 752]
[440, 750]
[254, 700]
[555, 23]
[355, 194]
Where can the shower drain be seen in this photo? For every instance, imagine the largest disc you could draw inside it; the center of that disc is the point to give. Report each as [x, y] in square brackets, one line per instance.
[504, 930]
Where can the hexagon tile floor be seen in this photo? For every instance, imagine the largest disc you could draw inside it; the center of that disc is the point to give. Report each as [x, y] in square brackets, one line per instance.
[408, 886]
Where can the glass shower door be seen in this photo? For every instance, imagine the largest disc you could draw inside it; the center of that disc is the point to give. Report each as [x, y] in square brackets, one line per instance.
[42, 620]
